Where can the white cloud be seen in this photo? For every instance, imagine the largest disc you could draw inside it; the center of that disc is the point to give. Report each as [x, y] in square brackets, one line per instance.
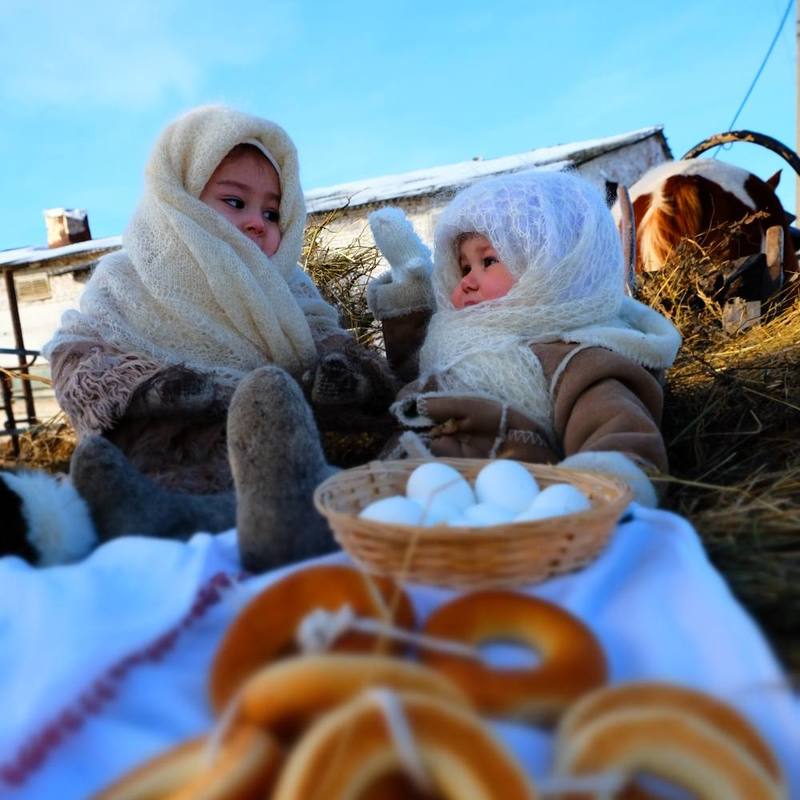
[130, 55]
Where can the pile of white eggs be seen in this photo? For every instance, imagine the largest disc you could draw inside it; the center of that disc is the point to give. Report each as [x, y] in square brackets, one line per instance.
[504, 492]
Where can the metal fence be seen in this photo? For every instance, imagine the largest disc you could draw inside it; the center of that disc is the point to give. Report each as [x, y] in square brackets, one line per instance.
[25, 360]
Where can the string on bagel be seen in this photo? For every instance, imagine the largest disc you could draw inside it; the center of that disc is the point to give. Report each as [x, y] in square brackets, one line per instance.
[659, 694]
[321, 628]
[350, 750]
[673, 744]
[265, 629]
[572, 660]
[225, 723]
[402, 736]
[245, 764]
[284, 696]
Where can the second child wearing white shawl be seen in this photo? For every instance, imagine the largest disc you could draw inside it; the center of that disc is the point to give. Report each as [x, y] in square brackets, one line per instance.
[562, 368]
[169, 325]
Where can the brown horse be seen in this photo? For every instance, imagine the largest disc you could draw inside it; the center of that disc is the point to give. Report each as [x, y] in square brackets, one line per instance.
[703, 200]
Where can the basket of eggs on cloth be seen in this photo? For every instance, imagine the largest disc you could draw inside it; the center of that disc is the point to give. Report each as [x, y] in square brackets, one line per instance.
[471, 523]
[362, 715]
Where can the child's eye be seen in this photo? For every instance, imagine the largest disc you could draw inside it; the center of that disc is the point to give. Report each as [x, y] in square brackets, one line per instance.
[465, 268]
[234, 202]
[272, 216]
[489, 260]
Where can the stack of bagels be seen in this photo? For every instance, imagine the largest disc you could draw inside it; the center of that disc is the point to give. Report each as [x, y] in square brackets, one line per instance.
[386, 711]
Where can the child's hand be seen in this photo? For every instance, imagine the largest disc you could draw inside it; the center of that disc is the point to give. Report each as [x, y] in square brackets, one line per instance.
[398, 242]
[477, 427]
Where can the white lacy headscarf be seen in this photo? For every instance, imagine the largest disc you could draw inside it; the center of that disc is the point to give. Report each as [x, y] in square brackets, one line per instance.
[558, 239]
[190, 288]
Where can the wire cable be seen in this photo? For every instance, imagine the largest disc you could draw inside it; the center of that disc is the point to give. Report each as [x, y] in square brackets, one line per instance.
[758, 72]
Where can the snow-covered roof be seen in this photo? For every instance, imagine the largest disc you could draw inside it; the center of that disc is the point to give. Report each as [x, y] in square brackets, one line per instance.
[433, 180]
[373, 190]
[30, 256]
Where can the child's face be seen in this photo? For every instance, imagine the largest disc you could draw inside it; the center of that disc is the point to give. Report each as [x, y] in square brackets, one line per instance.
[246, 190]
[484, 275]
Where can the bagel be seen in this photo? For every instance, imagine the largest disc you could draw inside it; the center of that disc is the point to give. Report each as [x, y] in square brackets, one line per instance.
[349, 751]
[284, 696]
[266, 626]
[675, 745]
[245, 766]
[656, 694]
[572, 660]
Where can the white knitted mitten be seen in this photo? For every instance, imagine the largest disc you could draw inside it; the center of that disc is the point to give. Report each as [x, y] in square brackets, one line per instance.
[407, 287]
[398, 242]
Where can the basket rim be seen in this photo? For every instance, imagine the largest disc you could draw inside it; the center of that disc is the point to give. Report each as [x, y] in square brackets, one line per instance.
[612, 507]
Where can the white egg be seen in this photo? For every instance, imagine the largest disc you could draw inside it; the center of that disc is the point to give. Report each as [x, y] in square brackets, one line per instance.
[555, 500]
[532, 514]
[482, 515]
[440, 483]
[437, 513]
[396, 509]
[507, 484]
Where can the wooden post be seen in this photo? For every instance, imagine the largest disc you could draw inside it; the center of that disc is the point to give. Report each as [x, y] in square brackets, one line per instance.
[27, 389]
[773, 275]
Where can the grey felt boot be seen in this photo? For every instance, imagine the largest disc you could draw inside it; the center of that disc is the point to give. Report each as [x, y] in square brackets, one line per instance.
[123, 501]
[277, 461]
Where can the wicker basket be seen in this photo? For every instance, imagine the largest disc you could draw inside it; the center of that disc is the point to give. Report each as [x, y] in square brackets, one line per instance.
[468, 558]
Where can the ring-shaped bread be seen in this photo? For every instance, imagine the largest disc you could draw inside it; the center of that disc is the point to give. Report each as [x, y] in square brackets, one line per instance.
[658, 694]
[572, 661]
[245, 765]
[674, 745]
[265, 628]
[350, 750]
[284, 696]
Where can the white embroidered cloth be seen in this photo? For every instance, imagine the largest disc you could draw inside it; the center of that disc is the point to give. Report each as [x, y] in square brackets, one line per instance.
[104, 663]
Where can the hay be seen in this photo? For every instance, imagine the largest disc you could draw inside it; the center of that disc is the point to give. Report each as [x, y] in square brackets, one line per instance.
[341, 274]
[732, 425]
[47, 446]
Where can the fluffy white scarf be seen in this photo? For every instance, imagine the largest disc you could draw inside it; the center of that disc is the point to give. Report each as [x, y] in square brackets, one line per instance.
[558, 239]
[188, 287]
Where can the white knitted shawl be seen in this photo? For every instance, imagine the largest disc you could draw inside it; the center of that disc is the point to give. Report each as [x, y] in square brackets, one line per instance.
[558, 239]
[188, 287]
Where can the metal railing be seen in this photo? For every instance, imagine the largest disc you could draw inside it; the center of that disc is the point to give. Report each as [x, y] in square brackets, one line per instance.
[7, 374]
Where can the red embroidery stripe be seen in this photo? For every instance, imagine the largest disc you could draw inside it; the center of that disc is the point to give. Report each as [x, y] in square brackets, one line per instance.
[39, 747]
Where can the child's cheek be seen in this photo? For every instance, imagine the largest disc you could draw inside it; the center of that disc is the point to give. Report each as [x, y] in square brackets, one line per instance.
[272, 241]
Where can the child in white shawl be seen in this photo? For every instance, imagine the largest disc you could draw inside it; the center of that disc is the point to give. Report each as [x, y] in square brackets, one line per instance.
[532, 350]
[206, 289]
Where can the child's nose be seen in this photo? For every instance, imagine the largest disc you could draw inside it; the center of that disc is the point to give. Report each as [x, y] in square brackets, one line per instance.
[254, 222]
[468, 282]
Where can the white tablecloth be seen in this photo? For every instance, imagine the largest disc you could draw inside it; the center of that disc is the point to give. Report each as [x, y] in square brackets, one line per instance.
[104, 663]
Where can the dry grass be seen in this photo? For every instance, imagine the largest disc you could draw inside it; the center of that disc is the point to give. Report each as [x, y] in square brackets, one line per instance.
[47, 446]
[732, 426]
[341, 274]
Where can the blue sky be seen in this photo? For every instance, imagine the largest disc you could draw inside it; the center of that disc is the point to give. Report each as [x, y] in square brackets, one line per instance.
[368, 89]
